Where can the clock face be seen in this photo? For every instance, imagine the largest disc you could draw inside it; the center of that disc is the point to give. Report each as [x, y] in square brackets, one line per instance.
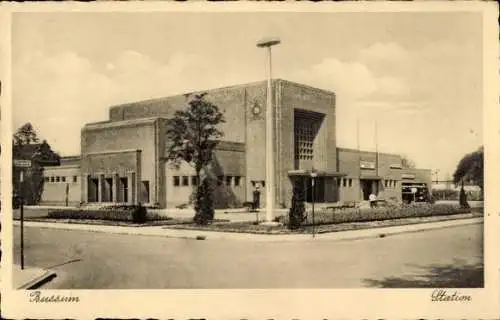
[256, 109]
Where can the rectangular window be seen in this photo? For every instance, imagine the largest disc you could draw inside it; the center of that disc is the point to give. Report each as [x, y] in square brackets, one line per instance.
[229, 179]
[386, 183]
[177, 181]
[51, 179]
[58, 178]
[185, 180]
[63, 179]
[339, 181]
[46, 179]
[237, 181]
[263, 184]
[194, 180]
[219, 180]
[75, 178]
[344, 182]
[350, 183]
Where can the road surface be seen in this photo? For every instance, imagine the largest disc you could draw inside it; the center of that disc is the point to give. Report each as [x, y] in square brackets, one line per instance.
[449, 257]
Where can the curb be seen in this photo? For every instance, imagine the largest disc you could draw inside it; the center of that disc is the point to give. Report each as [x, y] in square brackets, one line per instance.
[38, 281]
[214, 235]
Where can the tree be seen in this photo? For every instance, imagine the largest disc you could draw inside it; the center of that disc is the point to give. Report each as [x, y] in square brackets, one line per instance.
[192, 136]
[407, 163]
[26, 146]
[296, 215]
[470, 169]
[45, 155]
[26, 134]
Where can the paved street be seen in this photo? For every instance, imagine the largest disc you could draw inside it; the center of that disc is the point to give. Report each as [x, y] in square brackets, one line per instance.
[88, 260]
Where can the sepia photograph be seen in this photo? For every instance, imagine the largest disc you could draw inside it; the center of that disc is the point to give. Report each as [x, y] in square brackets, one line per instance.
[201, 149]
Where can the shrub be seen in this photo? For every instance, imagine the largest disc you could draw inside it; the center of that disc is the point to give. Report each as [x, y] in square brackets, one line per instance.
[131, 213]
[296, 215]
[139, 214]
[386, 213]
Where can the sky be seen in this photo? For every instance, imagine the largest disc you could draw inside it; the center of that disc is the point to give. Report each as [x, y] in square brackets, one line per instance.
[417, 75]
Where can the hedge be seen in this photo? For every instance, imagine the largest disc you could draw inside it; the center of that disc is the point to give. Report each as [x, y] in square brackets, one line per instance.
[137, 214]
[325, 216]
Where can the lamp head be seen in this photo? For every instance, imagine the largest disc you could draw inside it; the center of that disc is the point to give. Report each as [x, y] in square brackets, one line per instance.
[267, 42]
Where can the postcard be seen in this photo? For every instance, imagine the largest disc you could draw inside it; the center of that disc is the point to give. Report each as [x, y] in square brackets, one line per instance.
[249, 160]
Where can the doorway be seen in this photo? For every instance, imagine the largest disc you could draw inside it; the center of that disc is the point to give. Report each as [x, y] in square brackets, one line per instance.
[108, 190]
[325, 189]
[367, 188]
[93, 190]
[123, 190]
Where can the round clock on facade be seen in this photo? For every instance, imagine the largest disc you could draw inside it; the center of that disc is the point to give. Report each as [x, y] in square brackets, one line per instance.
[256, 109]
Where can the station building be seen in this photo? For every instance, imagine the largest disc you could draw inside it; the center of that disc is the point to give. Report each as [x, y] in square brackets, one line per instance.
[124, 160]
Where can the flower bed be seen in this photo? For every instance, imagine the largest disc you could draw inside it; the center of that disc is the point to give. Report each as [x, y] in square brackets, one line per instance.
[136, 214]
[253, 228]
[326, 216]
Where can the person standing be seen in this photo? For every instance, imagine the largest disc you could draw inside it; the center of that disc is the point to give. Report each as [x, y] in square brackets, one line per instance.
[373, 200]
[256, 198]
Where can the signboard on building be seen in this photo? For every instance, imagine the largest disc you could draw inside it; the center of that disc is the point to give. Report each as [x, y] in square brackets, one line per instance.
[407, 176]
[22, 163]
[367, 165]
[395, 166]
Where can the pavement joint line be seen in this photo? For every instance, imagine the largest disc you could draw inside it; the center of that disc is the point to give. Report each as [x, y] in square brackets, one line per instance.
[215, 235]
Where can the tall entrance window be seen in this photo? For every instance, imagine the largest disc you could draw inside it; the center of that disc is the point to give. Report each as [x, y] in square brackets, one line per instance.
[306, 127]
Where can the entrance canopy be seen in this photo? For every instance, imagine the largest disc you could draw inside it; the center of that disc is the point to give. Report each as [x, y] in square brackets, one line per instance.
[370, 178]
[304, 173]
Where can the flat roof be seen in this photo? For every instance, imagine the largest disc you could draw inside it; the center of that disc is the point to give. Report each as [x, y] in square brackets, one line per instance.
[236, 86]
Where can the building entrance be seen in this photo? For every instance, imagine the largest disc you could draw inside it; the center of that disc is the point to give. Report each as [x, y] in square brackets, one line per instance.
[93, 190]
[325, 189]
[367, 187]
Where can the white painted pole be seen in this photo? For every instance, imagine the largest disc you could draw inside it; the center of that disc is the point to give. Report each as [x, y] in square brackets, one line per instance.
[269, 143]
[270, 196]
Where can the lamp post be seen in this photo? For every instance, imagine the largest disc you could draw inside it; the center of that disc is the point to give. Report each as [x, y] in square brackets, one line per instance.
[436, 172]
[313, 184]
[21, 190]
[270, 198]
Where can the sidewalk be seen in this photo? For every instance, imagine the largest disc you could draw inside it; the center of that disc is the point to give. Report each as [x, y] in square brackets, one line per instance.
[213, 235]
[29, 278]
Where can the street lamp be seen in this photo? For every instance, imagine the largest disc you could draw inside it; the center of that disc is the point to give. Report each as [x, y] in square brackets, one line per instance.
[436, 172]
[313, 177]
[268, 43]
